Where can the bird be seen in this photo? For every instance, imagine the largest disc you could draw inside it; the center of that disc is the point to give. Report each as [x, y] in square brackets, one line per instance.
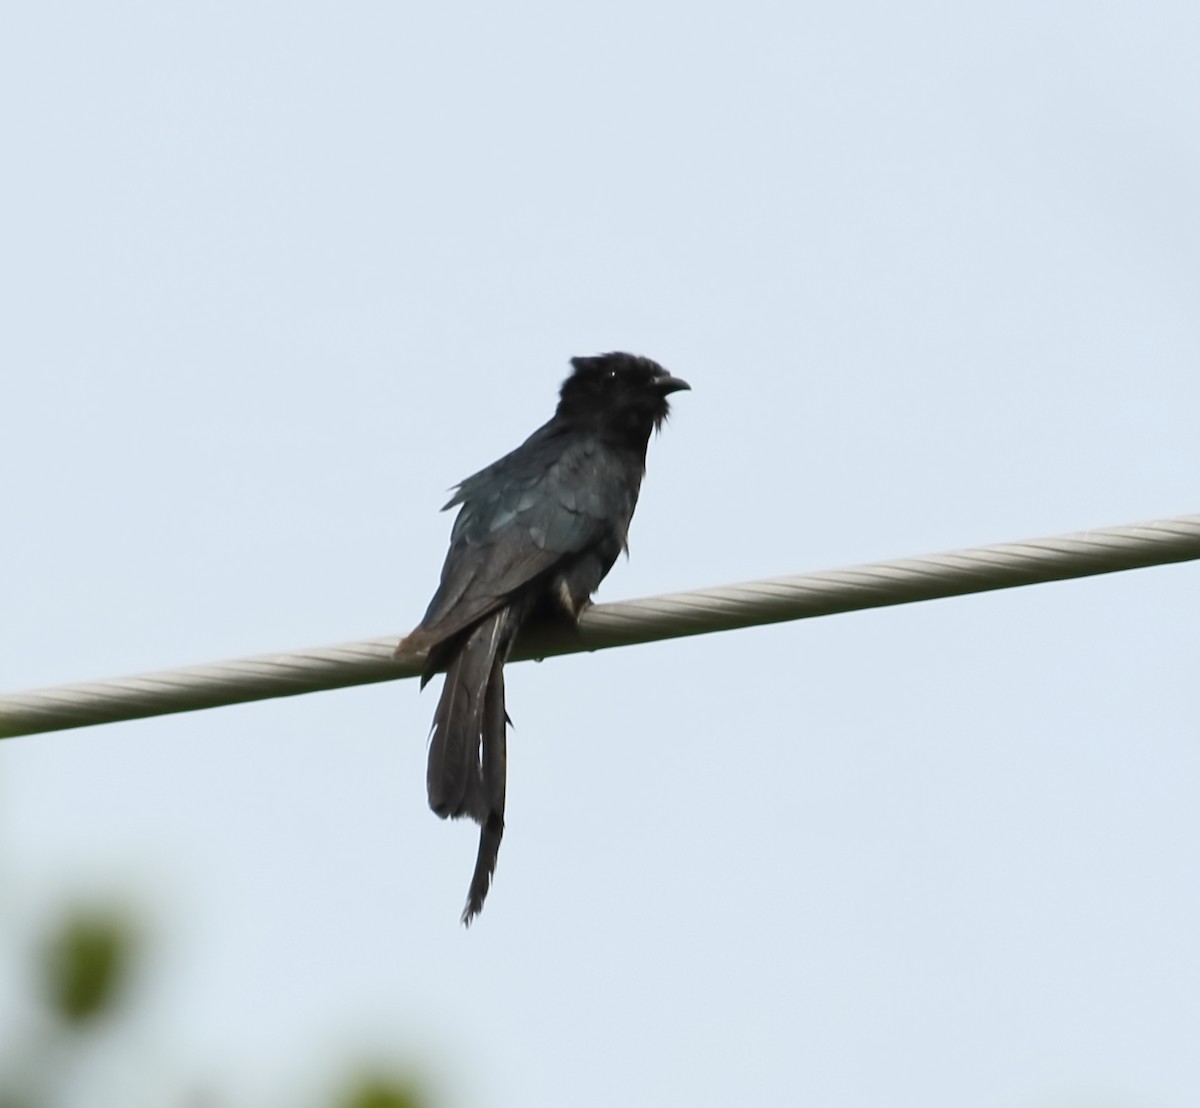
[536, 533]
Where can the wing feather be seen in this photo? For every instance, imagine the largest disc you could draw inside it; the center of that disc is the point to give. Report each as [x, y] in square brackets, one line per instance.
[519, 519]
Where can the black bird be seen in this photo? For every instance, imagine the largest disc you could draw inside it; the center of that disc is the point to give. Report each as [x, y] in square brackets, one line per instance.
[536, 533]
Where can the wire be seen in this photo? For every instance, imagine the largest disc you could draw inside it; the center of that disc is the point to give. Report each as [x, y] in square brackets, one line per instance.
[957, 573]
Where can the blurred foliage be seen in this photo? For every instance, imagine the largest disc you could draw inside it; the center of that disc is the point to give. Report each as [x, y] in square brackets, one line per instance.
[86, 962]
[380, 1092]
[83, 979]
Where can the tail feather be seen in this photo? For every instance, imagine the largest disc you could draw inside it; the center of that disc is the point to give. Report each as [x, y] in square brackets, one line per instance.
[468, 745]
[455, 775]
[495, 761]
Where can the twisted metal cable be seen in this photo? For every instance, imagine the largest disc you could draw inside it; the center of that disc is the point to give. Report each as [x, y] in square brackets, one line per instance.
[957, 573]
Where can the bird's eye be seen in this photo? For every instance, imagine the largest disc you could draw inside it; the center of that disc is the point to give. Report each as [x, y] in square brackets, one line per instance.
[611, 375]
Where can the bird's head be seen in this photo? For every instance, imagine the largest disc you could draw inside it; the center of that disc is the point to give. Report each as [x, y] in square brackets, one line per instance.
[622, 393]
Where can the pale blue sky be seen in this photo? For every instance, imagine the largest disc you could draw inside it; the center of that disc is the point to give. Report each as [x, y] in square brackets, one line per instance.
[275, 276]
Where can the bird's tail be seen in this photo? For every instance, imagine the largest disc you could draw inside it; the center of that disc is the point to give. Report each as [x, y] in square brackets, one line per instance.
[467, 749]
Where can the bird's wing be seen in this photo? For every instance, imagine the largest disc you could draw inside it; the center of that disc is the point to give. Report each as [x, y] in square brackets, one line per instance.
[550, 499]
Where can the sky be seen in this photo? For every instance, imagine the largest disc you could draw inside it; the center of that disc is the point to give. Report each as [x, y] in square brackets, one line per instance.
[276, 276]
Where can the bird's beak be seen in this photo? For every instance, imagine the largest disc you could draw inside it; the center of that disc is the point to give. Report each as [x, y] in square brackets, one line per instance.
[670, 384]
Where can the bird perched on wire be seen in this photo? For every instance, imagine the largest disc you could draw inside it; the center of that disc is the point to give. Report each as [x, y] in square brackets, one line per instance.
[535, 535]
